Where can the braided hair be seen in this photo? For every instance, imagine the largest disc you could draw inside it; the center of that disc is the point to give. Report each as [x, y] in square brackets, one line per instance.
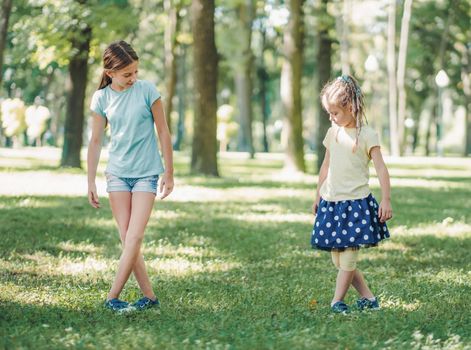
[345, 92]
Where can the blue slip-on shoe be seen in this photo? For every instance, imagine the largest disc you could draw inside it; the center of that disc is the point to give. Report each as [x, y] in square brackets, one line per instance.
[340, 308]
[117, 305]
[367, 304]
[146, 303]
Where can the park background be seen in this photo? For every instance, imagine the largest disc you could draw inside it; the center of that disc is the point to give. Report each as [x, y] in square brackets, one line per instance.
[228, 251]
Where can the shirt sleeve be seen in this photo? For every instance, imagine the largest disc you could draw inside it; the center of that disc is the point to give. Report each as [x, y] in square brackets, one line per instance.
[152, 94]
[326, 141]
[96, 104]
[372, 140]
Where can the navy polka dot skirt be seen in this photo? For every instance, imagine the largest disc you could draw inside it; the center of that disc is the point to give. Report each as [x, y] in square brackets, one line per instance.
[348, 224]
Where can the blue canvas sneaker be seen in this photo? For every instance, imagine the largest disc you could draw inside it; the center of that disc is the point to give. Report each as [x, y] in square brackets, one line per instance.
[117, 305]
[145, 303]
[340, 308]
[367, 304]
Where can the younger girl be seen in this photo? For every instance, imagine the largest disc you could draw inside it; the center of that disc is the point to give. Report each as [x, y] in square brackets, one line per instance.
[131, 107]
[347, 215]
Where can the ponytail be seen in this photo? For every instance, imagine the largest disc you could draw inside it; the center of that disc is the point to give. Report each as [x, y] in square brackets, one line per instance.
[105, 81]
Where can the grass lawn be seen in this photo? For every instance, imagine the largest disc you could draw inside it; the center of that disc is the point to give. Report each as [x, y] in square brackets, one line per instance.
[231, 262]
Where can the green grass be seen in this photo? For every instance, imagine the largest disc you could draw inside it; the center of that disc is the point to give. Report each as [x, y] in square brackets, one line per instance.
[230, 260]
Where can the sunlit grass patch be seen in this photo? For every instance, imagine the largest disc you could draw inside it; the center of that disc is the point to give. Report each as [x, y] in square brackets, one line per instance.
[230, 260]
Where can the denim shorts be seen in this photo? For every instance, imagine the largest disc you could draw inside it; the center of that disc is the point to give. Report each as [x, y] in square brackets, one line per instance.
[131, 184]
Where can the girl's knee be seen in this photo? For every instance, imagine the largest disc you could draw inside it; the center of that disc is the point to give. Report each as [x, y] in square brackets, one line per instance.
[348, 260]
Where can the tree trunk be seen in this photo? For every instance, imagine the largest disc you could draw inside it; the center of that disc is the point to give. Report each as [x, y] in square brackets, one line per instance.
[343, 30]
[181, 98]
[243, 79]
[391, 62]
[324, 61]
[290, 89]
[401, 72]
[263, 79]
[73, 130]
[465, 74]
[204, 151]
[4, 19]
[171, 31]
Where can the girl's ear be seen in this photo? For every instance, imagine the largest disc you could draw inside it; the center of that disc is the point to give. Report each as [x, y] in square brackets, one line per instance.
[109, 74]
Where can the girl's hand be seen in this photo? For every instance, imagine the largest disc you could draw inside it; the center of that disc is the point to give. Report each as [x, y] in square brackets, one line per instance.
[166, 185]
[385, 210]
[93, 196]
[315, 206]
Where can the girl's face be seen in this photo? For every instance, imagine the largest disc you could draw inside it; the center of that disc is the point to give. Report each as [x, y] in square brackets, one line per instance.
[124, 78]
[340, 116]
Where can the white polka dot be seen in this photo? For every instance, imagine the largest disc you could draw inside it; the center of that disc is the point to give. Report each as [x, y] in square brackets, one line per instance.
[379, 236]
[357, 230]
[350, 224]
[344, 232]
[336, 217]
[349, 208]
[371, 202]
[365, 237]
[338, 240]
[359, 206]
[384, 228]
[367, 212]
[352, 239]
[321, 232]
[344, 215]
[323, 210]
[331, 209]
[371, 228]
[317, 224]
[375, 220]
[334, 233]
[338, 225]
[316, 240]
[328, 224]
[376, 206]
[326, 241]
[363, 222]
[355, 215]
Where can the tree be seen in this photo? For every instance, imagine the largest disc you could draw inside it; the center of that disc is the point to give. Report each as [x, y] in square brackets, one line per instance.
[204, 150]
[401, 71]
[244, 76]
[78, 69]
[391, 62]
[324, 61]
[171, 33]
[290, 88]
[4, 19]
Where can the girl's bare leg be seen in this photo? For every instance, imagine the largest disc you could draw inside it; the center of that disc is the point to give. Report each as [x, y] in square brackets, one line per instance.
[360, 285]
[141, 204]
[344, 280]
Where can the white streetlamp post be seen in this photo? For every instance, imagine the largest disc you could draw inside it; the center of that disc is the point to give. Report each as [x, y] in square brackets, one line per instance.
[442, 81]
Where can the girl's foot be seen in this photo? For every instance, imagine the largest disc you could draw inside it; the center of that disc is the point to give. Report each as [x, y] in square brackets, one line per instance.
[340, 308]
[117, 305]
[370, 304]
[145, 303]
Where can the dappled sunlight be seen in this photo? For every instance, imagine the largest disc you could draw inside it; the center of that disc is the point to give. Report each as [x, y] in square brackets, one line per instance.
[399, 304]
[69, 246]
[37, 296]
[273, 217]
[248, 194]
[87, 266]
[443, 229]
[180, 267]
[165, 251]
[43, 264]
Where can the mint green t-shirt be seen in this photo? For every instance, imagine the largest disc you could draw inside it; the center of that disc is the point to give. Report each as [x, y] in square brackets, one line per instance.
[133, 151]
